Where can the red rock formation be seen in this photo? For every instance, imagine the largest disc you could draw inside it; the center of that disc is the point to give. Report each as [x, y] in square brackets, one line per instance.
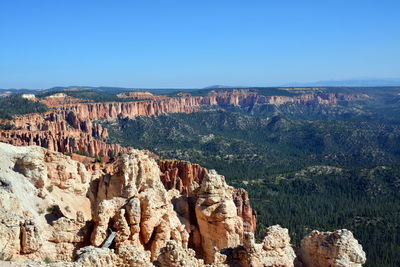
[60, 131]
[186, 103]
[115, 110]
[244, 210]
[180, 175]
[69, 126]
[186, 177]
[63, 141]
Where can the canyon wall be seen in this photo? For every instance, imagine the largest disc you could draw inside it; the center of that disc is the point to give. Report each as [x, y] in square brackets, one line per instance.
[61, 131]
[185, 103]
[69, 126]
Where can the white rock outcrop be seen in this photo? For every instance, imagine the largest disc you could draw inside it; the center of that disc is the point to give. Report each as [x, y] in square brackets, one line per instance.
[336, 249]
[220, 226]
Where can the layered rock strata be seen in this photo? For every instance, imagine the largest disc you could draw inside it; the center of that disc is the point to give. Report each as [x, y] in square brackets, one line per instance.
[61, 131]
[185, 103]
[69, 126]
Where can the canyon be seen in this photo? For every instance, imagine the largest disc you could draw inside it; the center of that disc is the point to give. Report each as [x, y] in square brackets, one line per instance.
[126, 209]
[72, 125]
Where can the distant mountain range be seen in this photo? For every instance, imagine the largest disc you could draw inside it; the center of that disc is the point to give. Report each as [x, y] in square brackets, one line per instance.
[109, 89]
[350, 82]
[218, 86]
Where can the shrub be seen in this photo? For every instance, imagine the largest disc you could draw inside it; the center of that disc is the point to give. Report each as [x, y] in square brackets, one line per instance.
[50, 209]
[50, 188]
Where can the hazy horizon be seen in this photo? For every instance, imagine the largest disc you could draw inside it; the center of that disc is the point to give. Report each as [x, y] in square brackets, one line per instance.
[347, 82]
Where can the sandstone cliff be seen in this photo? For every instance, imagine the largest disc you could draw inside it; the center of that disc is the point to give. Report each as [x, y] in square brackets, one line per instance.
[69, 126]
[61, 131]
[185, 103]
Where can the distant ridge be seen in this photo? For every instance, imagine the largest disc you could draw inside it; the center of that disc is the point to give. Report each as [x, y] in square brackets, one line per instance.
[350, 82]
[326, 83]
[222, 87]
[379, 82]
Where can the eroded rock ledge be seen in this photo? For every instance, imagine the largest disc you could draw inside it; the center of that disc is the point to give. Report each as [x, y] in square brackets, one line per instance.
[166, 214]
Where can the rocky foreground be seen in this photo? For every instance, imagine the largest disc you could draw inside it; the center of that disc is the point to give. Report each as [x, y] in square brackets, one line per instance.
[55, 211]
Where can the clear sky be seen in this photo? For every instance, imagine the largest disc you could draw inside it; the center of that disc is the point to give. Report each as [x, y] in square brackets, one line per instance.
[197, 43]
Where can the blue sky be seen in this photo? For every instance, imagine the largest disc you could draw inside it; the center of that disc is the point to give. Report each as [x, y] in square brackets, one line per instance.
[190, 44]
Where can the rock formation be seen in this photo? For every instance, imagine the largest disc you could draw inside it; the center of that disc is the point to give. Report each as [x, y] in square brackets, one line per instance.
[68, 127]
[61, 131]
[186, 177]
[274, 251]
[244, 210]
[185, 103]
[216, 214]
[336, 249]
[55, 208]
[132, 201]
[41, 194]
[181, 175]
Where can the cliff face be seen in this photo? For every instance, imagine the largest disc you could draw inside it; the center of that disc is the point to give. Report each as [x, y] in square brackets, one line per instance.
[62, 141]
[60, 131]
[187, 103]
[115, 110]
[120, 214]
[69, 126]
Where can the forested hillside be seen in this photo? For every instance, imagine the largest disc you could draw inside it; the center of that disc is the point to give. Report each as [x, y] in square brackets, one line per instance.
[16, 105]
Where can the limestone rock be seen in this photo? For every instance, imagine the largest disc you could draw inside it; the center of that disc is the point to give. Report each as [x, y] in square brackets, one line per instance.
[45, 167]
[273, 252]
[132, 256]
[173, 255]
[66, 174]
[97, 257]
[336, 249]
[31, 237]
[33, 226]
[277, 247]
[54, 207]
[133, 201]
[218, 222]
[10, 233]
